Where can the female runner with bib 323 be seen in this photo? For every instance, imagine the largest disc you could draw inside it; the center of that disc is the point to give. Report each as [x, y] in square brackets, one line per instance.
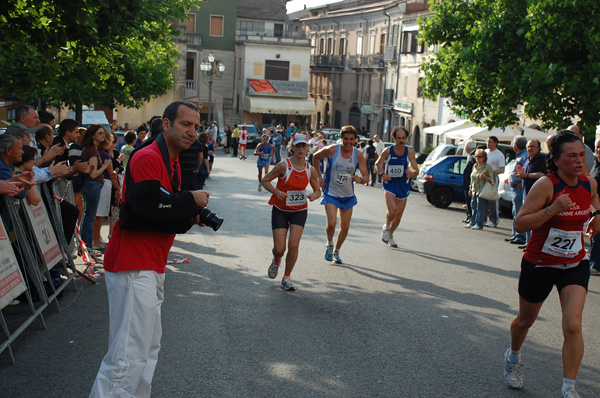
[290, 205]
[555, 210]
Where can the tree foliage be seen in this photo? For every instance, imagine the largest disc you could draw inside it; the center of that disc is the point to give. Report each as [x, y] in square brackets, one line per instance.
[88, 51]
[495, 55]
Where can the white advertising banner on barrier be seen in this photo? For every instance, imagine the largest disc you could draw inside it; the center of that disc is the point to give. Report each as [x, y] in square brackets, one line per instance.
[11, 279]
[44, 233]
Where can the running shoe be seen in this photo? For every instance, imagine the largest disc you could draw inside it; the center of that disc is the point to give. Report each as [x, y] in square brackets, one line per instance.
[286, 283]
[385, 233]
[259, 187]
[329, 252]
[570, 394]
[492, 224]
[391, 242]
[476, 227]
[512, 373]
[273, 269]
[336, 257]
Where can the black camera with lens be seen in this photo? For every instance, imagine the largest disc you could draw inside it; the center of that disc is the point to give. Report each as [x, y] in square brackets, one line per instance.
[210, 219]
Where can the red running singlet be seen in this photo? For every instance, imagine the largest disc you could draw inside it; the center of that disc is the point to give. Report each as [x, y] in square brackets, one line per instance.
[560, 239]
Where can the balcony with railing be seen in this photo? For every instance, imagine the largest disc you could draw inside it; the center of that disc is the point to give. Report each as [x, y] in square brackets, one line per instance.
[190, 88]
[366, 61]
[356, 61]
[327, 61]
[375, 61]
[194, 40]
[260, 38]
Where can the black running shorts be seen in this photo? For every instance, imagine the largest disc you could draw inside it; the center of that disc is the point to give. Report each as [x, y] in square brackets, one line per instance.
[535, 284]
[283, 219]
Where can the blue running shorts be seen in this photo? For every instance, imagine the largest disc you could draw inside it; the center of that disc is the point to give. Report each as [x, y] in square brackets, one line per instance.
[401, 190]
[341, 203]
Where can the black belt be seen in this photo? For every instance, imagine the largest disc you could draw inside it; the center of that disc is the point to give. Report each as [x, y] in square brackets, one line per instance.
[515, 185]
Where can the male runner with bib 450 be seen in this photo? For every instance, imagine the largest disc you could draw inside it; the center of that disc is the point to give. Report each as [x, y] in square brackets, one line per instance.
[396, 177]
[338, 187]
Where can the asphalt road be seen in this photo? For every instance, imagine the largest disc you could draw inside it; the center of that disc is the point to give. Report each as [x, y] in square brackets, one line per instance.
[428, 319]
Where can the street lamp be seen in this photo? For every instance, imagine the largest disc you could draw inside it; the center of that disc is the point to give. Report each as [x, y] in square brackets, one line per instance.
[211, 68]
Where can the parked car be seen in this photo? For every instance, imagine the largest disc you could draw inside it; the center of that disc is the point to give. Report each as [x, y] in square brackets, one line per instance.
[330, 135]
[253, 135]
[413, 181]
[437, 153]
[441, 182]
[507, 150]
[504, 190]
[120, 139]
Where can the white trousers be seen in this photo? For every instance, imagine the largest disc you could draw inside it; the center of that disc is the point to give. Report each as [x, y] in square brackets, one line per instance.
[134, 304]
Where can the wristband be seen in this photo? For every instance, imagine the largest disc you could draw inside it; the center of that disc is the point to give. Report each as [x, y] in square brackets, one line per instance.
[594, 213]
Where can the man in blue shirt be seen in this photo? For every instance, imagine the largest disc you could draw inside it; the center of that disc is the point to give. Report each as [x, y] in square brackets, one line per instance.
[516, 186]
[277, 141]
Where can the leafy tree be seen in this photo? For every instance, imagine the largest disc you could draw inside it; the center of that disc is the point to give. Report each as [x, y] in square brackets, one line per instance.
[88, 51]
[495, 55]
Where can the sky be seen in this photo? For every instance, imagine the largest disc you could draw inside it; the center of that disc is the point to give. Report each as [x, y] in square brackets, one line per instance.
[297, 5]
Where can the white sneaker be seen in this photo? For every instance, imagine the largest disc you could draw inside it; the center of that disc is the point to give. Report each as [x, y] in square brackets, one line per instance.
[512, 373]
[286, 283]
[476, 227]
[492, 225]
[273, 269]
[336, 257]
[570, 394]
[385, 233]
[259, 187]
[391, 242]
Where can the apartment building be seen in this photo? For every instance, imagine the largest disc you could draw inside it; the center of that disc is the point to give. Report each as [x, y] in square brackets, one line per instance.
[272, 67]
[208, 30]
[365, 67]
[347, 71]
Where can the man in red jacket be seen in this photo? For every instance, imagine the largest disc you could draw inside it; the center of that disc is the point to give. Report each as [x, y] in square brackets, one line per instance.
[135, 260]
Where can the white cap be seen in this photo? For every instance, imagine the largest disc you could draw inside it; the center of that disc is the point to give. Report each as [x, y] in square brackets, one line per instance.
[299, 139]
[292, 124]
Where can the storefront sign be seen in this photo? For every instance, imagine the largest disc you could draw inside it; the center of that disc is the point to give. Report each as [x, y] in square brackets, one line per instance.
[277, 87]
[366, 109]
[403, 106]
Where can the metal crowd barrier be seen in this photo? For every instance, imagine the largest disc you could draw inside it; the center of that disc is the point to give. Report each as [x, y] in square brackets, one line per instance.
[31, 245]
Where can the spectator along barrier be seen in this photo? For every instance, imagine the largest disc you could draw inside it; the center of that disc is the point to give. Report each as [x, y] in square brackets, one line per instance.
[35, 260]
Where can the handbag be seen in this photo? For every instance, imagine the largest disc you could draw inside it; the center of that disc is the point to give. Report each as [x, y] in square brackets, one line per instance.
[489, 192]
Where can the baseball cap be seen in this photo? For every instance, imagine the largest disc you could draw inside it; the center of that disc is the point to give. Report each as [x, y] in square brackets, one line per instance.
[18, 129]
[299, 139]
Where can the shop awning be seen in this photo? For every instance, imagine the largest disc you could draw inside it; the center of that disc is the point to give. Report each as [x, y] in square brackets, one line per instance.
[279, 106]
